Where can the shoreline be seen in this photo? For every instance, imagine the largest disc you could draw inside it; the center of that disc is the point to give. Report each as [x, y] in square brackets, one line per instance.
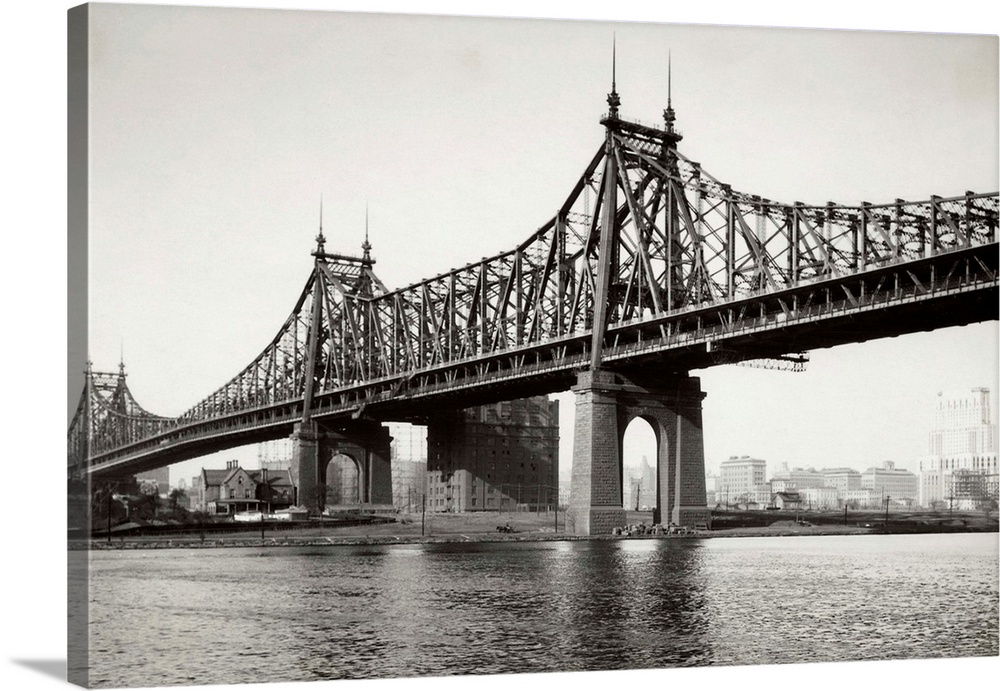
[481, 538]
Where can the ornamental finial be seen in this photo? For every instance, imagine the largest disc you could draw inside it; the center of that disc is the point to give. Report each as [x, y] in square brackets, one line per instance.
[668, 113]
[320, 240]
[613, 100]
[366, 246]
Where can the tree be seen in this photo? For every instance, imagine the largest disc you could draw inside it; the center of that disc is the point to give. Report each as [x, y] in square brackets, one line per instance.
[110, 501]
[148, 500]
[987, 505]
[200, 518]
[177, 495]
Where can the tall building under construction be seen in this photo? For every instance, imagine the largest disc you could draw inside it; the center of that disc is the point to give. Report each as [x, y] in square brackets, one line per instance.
[960, 471]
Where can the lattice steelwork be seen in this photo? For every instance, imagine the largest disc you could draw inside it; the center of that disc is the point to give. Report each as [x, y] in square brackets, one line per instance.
[344, 348]
[667, 256]
[108, 417]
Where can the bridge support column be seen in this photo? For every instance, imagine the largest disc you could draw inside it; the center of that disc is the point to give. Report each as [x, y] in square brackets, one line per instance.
[595, 501]
[305, 466]
[365, 442]
[605, 404]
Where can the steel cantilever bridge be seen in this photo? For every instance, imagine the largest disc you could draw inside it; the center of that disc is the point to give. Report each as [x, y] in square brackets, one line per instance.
[649, 269]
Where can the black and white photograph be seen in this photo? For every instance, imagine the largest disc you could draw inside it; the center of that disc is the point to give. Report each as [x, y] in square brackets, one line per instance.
[443, 345]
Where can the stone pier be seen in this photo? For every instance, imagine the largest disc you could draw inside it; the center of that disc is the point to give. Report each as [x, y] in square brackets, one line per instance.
[605, 404]
[319, 453]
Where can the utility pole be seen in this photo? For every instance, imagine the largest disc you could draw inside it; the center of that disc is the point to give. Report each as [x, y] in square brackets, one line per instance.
[638, 487]
[109, 515]
[423, 512]
[556, 506]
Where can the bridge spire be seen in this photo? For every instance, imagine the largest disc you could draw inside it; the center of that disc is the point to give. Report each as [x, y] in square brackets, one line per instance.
[320, 240]
[613, 100]
[366, 246]
[668, 113]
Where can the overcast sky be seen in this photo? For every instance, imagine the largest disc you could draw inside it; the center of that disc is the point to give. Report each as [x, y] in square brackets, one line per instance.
[215, 133]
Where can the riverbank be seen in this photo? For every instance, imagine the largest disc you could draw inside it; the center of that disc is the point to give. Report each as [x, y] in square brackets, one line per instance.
[482, 527]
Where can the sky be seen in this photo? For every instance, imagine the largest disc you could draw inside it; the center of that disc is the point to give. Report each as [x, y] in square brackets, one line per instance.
[758, 114]
[215, 134]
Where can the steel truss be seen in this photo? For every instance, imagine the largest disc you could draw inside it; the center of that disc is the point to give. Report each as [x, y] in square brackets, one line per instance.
[649, 258]
[108, 416]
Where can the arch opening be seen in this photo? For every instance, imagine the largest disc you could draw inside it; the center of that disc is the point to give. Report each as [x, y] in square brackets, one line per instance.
[639, 470]
[343, 481]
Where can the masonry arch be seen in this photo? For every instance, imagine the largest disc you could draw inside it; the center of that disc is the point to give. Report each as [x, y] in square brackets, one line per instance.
[344, 481]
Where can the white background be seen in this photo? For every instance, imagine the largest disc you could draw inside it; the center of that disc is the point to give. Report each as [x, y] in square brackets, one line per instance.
[33, 44]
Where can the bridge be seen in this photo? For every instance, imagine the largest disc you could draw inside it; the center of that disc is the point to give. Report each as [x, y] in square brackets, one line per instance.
[650, 268]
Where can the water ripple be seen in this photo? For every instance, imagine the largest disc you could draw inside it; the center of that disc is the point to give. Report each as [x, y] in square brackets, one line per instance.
[251, 615]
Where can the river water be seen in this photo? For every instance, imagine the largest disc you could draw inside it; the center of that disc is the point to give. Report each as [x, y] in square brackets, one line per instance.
[244, 615]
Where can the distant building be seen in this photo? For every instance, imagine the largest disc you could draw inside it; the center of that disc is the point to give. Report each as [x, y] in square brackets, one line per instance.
[780, 485]
[712, 484]
[842, 479]
[798, 478]
[456, 491]
[508, 452]
[742, 481]
[159, 476]
[408, 455]
[820, 498]
[409, 484]
[861, 499]
[961, 469]
[901, 486]
[640, 488]
[275, 455]
[564, 490]
[409, 442]
[963, 426]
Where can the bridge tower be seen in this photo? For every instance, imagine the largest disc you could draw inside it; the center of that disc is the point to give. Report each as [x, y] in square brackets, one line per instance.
[606, 401]
[346, 463]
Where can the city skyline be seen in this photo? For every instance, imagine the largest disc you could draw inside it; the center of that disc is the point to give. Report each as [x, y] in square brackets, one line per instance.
[912, 462]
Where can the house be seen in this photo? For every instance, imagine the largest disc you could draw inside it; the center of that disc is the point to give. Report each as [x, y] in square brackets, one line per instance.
[235, 489]
[786, 500]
